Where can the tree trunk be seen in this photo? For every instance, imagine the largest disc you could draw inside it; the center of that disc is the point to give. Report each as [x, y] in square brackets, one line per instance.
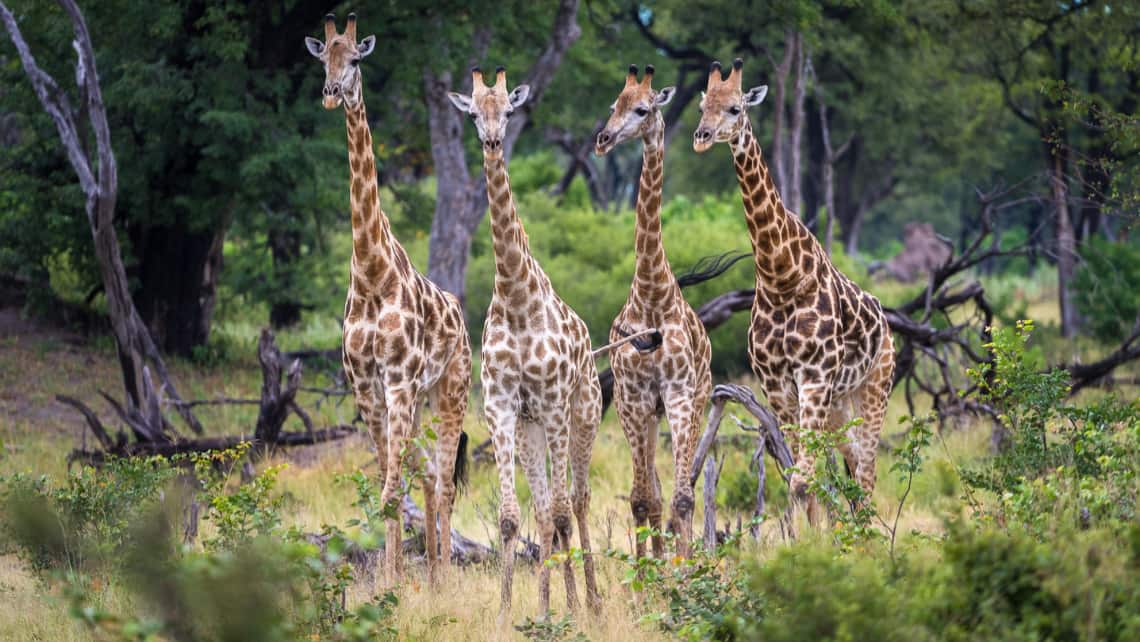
[1066, 245]
[177, 271]
[779, 83]
[793, 189]
[461, 200]
[285, 248]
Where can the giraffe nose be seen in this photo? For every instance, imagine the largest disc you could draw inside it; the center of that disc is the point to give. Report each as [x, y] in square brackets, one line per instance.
[702, 135]
[604, 139]
[494, 143]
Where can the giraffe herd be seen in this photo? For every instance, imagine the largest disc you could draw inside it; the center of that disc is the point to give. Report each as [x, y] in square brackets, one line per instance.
[819, 345]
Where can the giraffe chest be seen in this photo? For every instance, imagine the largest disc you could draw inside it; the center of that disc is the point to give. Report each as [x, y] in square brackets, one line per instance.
[832, 335]
[533, 354]
[404, 339]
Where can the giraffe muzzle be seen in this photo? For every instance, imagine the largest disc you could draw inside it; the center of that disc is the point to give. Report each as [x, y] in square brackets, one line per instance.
[493, 147]
[702, 139]
[332, 96]
[604, 143]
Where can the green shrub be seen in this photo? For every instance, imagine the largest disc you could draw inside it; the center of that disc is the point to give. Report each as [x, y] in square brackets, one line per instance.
[252, 580]
[1059, 458]
[1107, 288]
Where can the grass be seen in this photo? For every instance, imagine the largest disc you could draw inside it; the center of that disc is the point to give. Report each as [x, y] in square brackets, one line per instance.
[36, 432]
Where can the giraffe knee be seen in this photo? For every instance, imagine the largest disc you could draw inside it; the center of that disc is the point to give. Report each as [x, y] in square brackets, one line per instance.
[683, 505]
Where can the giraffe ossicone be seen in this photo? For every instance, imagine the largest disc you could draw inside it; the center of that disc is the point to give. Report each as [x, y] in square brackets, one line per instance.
[405, 341]
[541, 395]
[819, 344]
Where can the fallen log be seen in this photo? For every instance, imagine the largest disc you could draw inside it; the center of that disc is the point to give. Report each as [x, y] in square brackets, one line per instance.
[278, 400]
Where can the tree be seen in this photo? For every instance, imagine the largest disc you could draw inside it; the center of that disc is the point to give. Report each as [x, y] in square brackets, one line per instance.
[98, 178]
[461, 198]
[1028, 46]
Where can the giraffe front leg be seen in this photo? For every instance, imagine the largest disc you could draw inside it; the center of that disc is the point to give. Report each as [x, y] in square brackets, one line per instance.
[587, 412]
[503, 422]
[679, 410]
[401, 417]
[814, 409]
[449, 402]
[636, 410]
[557, 440]
[532, 456]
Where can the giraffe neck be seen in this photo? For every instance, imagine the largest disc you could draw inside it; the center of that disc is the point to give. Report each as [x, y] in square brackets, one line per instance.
[513, 262]
[374, 249]
[783, 248]
[652, 271]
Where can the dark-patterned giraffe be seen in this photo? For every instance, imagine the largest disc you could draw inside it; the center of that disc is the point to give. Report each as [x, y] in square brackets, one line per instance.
[820, 345]
[405, 341]
[673, 379]
[540, 384]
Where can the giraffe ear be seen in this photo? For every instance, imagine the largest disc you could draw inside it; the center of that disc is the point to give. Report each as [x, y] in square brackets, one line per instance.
[755, 96]
[519, 96]
[461, 102]
[365, 47]
[664, 96]
[315, 47]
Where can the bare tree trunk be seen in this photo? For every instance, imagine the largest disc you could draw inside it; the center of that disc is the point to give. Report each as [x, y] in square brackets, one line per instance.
[98, 179]
[792, 191]
[1066, 246]
[461, 199]
[830, 157]
[779, 81]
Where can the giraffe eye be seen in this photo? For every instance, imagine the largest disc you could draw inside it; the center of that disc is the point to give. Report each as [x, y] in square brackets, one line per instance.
[734, 110]
[354, 62]
[641, 111]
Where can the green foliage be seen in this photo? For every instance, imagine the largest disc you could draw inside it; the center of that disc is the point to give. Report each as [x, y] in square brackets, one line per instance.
[252, 579]
[548, 630]
[695, 599]
[846, 502]
[1107, 288]
[86, 520]
[1061, 461]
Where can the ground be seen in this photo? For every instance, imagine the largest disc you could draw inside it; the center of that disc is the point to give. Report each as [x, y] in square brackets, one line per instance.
[36, 432]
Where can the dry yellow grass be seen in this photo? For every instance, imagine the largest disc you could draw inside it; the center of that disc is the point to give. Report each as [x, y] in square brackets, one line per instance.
[36, 433]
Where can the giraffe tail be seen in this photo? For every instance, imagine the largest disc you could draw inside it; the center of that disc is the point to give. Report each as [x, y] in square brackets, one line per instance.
[459, 477]
[710, 267]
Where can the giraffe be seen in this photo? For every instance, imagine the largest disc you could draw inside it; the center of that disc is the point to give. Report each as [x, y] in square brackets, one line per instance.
[540, 383]
[405, 341]
[819, 344]
[675, 379]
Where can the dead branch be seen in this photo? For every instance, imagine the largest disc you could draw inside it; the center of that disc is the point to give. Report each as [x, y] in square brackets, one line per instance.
[278, 400]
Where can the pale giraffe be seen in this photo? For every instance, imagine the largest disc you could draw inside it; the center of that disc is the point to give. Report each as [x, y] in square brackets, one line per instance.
[819, 344]
[672, 377]
[405, 341]
[540, 384]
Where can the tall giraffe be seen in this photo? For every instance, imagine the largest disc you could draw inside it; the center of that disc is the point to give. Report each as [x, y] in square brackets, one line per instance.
[673, 380]
[540, 384]
[819, 344]
[404, 339]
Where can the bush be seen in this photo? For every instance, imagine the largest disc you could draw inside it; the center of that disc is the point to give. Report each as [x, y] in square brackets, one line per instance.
[1107, 288]
[253, 579]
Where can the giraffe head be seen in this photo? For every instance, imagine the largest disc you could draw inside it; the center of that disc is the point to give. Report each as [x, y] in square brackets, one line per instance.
[724, 107]
[341, 55]
[635, 112]
[489, 108]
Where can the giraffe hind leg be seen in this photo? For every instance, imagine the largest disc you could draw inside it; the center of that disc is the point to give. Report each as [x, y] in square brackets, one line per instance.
[449, 402]
[586, 409]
